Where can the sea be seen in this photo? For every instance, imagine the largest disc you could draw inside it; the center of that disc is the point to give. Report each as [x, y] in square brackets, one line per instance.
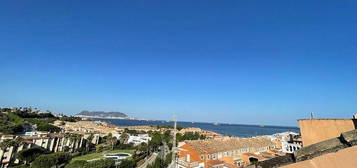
[234, 130]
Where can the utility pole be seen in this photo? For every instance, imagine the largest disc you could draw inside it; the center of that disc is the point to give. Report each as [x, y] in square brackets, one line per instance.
[174, 145]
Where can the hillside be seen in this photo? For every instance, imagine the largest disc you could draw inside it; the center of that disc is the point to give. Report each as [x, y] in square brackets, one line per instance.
[102, 114]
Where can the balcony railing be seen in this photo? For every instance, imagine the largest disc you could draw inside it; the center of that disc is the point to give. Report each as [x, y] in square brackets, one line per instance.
[187, 164]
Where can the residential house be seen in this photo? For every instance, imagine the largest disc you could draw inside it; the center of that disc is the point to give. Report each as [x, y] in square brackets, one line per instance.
[204, 153]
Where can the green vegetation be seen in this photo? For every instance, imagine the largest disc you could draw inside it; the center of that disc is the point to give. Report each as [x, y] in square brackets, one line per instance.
[28, 113]
[159, 163]
[189, 136]
[156, 140]
[48, 128]
[102, 163]
[168, 158]
[128, 163]
[10, 123]
[100, 155]
[50, 160]
[13, 121]
[134, 160]
[70, 118]
[169, 127]
[29, 155]
[44, 124]
[133, 132]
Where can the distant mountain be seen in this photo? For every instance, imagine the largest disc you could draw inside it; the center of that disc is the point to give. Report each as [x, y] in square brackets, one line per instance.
[102, 114]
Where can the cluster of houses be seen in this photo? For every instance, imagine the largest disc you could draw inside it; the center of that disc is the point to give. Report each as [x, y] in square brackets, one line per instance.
[224, 152]
[227, 152]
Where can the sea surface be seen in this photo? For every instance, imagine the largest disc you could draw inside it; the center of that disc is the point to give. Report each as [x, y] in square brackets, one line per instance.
[237, 130]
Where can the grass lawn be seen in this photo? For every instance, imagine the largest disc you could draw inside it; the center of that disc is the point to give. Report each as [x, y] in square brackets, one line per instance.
[99, 155]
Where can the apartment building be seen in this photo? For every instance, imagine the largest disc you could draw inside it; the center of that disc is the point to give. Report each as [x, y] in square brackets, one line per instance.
[51, 142]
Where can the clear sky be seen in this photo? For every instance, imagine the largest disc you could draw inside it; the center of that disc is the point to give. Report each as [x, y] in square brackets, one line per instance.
[249, 62]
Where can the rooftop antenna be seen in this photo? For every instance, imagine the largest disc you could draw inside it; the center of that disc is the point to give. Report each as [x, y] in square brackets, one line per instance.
[174, 144]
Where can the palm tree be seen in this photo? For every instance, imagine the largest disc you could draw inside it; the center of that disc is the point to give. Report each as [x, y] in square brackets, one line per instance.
[123, 138]
[78, 139]
[89, 141]
[16, 143]
[3, 146]
[112, 140]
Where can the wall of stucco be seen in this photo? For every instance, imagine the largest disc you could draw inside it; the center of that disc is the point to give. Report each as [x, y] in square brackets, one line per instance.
[317, 130]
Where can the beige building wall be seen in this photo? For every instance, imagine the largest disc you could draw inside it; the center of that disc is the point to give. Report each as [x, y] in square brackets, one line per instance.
[345, 158]
[317, 130]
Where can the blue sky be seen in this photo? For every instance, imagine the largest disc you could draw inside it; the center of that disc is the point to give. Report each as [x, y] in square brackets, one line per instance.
[249, 62]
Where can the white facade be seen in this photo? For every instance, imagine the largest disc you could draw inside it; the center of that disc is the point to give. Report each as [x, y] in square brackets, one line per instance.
[51, 143]
[290, 147]
[135, 139]
[138, 139]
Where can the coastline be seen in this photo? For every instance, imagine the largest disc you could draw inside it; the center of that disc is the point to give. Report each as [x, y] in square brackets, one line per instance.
[235, 130]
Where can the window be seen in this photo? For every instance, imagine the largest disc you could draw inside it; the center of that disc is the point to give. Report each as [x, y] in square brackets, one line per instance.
[202, 157]
[225, 153]
[214, 156]
[208, 157]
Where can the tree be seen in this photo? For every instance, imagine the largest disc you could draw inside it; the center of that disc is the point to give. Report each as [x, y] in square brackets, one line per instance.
[159, 163]
[112, 140]
[10, 123]
[48, 127]
[143, 147]
[29, 155]
[102, 163]
[15, 143]
[123, 138]
[18, 141]
[167, 136]
[89, 141]
[168, 158]
[3, 146]
[77, 164]
[127, 163]
[156, 140]
[50, 160]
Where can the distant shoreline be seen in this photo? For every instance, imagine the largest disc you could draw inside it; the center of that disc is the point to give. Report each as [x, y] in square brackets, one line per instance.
[122, 118]
[238, 130]
[166, 121]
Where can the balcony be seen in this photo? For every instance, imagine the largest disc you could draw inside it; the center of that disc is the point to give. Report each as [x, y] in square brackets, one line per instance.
[184, 163]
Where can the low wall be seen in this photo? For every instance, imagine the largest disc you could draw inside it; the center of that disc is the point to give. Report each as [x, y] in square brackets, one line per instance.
[317, 130]
[345, 158]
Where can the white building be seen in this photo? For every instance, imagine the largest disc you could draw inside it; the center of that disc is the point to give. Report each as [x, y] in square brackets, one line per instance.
[135, 139]
[291, 146]
[51, 142]
[288, 143]
[138, 139]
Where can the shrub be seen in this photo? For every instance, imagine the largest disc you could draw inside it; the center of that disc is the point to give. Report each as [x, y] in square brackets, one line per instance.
[50, 160]
[29, 155]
